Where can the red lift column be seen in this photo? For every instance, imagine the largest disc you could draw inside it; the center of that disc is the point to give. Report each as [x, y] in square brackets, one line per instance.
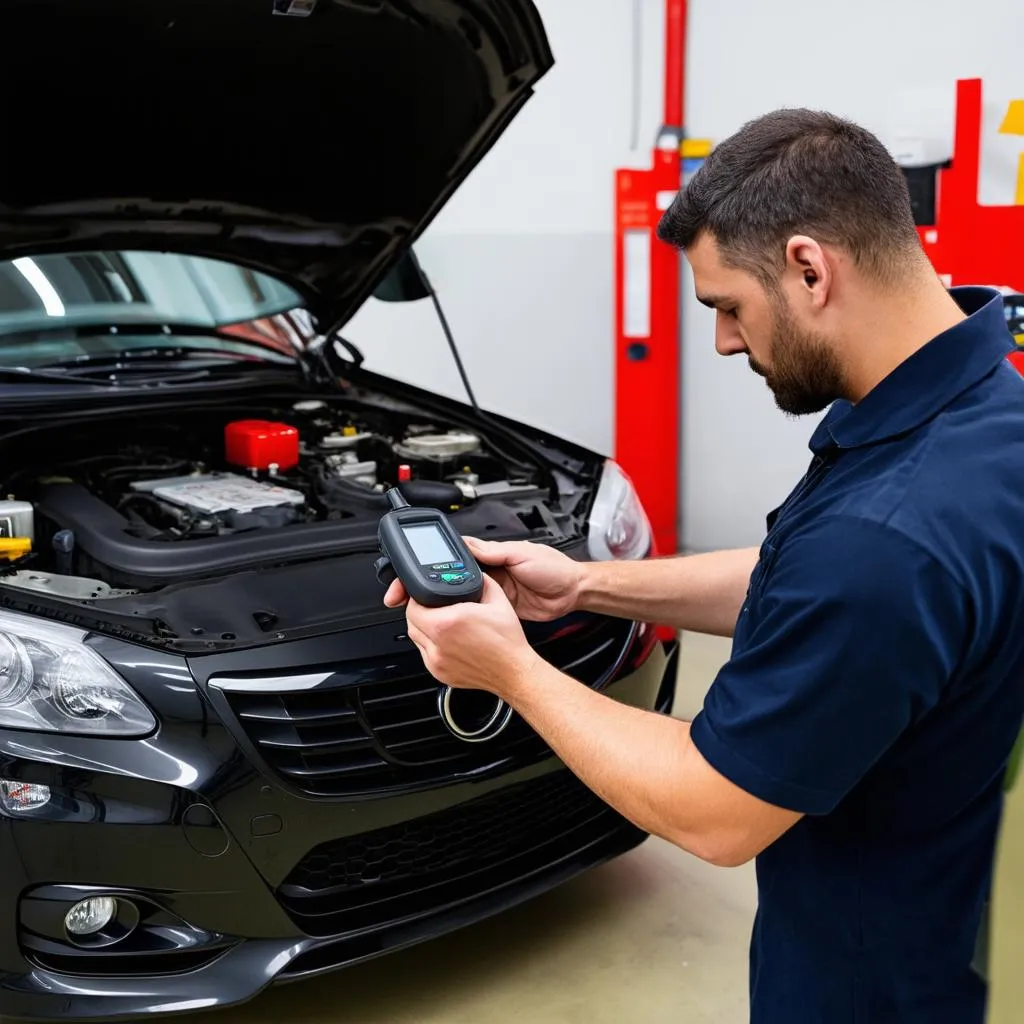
[647, 310]
[970, 243]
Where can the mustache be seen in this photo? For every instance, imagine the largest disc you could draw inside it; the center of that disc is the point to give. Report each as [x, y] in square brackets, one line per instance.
[757, 367]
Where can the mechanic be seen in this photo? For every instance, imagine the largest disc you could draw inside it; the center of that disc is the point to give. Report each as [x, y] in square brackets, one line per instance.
[856, 740]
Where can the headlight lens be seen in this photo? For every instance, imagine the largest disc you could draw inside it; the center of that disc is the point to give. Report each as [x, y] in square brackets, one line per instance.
[50, 681]
[619, 527]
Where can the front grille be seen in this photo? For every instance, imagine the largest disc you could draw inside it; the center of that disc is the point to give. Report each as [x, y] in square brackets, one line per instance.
[377, 878]
[349, 738]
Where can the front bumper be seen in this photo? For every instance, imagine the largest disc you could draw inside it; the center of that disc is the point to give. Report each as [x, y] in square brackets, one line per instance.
[244, 884]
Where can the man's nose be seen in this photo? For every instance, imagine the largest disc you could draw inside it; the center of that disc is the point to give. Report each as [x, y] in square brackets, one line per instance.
[728, 340]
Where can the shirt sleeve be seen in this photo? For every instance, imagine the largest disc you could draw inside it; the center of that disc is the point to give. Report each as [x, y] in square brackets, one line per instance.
[858, 632]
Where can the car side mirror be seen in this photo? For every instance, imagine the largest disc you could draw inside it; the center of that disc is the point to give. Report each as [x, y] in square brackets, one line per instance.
[405, 282]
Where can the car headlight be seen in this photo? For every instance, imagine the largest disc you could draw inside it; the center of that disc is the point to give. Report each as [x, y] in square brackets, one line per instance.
[618, 527]
[51, 682]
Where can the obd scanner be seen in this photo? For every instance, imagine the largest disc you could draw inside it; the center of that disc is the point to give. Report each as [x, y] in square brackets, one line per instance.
[420, 547]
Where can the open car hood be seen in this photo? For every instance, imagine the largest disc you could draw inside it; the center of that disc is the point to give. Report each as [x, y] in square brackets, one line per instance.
[311, 139]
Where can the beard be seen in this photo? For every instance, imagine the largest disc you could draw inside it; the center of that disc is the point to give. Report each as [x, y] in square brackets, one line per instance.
[804, 376]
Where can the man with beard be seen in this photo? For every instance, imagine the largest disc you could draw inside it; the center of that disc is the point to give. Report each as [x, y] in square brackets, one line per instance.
[856, 740]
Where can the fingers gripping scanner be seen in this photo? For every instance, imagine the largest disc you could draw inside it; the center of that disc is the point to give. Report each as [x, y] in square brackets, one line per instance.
[420, 547]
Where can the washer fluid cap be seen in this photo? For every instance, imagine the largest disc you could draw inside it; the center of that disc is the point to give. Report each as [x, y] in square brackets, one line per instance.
[439, 446]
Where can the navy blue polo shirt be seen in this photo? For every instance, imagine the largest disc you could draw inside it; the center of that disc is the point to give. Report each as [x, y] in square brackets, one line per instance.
[876, 685]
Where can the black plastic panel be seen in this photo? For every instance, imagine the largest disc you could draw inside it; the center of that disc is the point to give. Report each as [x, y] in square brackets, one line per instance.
[416, 867]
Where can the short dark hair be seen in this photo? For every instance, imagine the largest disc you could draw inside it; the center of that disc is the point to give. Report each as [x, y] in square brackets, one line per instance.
[798, 171]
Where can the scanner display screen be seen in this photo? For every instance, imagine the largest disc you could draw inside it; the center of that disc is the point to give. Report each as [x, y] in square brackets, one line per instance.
[428, 544]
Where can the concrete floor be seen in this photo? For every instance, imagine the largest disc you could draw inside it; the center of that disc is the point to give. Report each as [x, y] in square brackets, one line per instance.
[653, 938]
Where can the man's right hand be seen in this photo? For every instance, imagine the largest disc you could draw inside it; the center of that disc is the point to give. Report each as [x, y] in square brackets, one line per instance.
[541, 583]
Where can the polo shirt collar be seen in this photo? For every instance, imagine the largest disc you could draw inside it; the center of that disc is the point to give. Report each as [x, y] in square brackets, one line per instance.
[926, 382]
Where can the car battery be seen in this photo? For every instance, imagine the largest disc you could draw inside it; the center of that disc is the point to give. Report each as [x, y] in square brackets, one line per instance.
[261, 445]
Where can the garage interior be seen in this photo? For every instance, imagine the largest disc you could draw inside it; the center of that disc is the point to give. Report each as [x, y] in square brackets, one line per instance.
[656, 935]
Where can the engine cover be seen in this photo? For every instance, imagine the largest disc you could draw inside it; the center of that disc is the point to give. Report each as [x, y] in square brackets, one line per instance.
[217, 493]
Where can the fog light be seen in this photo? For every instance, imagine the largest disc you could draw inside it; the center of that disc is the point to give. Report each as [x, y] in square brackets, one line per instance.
[18, 797]
[91, 915]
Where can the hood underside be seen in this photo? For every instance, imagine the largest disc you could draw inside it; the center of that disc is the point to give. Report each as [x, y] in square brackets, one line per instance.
[310, 139]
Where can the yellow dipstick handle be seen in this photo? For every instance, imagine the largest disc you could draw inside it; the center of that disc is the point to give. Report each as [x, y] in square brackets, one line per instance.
[14, 547]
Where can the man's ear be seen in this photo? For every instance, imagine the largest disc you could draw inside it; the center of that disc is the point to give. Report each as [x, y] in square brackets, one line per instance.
[808, 266]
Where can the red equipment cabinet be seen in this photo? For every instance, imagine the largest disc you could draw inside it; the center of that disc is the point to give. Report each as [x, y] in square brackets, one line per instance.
[647, 310]
[647, 361]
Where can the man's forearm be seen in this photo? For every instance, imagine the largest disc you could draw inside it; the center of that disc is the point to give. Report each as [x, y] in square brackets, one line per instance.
[646, 767]
[699, 593]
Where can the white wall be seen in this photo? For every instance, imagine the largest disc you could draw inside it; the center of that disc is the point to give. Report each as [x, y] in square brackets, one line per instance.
[523, 254]
[891, 65]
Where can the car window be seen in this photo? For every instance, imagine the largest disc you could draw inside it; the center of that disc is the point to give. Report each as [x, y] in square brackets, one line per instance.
[44, 298]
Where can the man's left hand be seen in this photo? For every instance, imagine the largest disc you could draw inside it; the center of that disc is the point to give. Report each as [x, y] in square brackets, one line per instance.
[474, 645]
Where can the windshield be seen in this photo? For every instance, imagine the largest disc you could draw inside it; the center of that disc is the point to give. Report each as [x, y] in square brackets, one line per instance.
[46, 301]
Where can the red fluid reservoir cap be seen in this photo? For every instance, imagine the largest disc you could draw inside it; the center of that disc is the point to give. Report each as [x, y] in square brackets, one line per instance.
[404, 473]
[259, 444]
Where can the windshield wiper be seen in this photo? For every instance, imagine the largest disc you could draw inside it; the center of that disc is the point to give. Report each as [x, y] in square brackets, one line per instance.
[163, 330]
[21, 374]
[179, 362]
[171, 356]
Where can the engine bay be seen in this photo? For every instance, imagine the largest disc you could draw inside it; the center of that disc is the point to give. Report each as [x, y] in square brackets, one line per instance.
[192, 480]
[126, 505]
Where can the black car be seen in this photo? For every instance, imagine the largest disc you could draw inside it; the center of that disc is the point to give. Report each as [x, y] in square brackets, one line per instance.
[222, 763]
